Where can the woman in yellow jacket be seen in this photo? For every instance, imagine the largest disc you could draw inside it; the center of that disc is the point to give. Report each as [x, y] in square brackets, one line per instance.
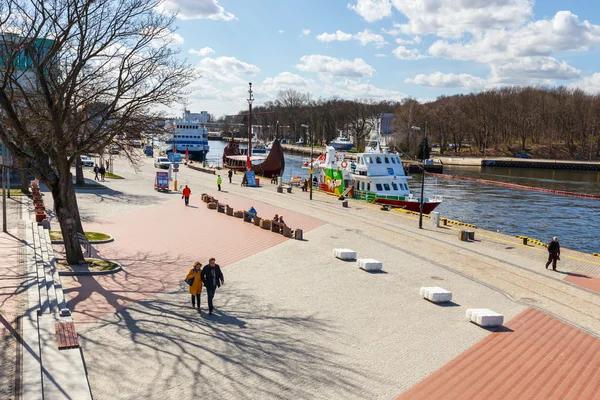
[196, 287]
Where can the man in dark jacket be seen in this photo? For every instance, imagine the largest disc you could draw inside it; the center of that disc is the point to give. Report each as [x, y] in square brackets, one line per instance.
[212, 277]
[553, 253]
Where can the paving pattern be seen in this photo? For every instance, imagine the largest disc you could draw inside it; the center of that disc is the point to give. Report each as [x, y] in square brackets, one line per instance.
[533, 356]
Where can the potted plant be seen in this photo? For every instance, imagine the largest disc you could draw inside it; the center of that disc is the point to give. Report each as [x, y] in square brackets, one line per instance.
[265, 223]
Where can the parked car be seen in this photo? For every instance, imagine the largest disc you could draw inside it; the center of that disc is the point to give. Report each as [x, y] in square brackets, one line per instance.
[162, 162]
[86, 161]
[114, 149]
[136, 143]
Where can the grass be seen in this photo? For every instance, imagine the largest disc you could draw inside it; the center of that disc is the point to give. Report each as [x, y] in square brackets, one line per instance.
[113, 176]
[94, 264]
[91, 236]
[16, 192]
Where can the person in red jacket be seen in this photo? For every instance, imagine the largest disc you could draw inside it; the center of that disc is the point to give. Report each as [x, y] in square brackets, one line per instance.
[186, 195]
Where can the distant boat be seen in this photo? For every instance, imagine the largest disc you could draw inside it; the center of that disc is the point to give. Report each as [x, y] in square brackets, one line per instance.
[341, 143]
[258, 147]
[269, 166]
[189, 135]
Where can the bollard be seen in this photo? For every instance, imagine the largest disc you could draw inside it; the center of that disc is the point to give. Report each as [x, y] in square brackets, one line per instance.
[279, 189]
[435, 218]
[345, 203]
[525, 241]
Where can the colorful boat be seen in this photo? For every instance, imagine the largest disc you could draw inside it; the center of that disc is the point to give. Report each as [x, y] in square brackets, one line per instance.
[271, 165]
[342, 143]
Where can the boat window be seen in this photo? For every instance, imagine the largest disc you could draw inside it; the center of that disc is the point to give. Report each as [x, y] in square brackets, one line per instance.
[378, 186]
[378, 159]
[394, 186]
[393, 160]
[370, 160]
[386, 186]
[405, 186]
[387, 160]
[368, 187]
[362, 186]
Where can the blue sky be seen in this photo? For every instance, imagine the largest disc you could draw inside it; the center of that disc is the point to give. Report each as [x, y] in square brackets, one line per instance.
[383, 49]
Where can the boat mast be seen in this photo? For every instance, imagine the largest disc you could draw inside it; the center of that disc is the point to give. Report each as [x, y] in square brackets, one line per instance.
[250, 100]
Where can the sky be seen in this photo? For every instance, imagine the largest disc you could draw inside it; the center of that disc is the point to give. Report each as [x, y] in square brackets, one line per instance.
[382, 49]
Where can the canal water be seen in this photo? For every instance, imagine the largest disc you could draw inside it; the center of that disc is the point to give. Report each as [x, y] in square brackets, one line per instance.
[575, 220]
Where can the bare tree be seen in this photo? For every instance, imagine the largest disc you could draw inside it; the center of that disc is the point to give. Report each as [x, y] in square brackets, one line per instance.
[75, 75]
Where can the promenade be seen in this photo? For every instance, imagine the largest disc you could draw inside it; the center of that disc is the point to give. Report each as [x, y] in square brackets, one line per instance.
[292, 322]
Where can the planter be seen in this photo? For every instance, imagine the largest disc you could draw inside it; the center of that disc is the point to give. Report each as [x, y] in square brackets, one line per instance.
[38, 203]
[229, 211]
[238, 214]
[40, 216]
[211, 206]
[40, 209]
[265, 223]
[257, 221]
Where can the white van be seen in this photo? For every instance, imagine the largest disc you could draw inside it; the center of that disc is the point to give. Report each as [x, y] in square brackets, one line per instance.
[162, 162]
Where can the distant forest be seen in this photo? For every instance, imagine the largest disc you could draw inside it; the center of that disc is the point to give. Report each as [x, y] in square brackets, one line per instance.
[555, 122]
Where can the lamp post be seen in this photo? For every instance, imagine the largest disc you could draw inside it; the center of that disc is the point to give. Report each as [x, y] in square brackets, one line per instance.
[423, 151]
[311, 159]
[250, 100]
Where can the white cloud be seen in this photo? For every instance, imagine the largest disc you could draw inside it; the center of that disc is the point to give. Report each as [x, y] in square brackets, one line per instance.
[287, 79]
[527, 70]
[452, 18]
[332, 37]
[372, 10]
[381, 55]
[281, 31]
[329, 66]
[197, 9]
[414, 40]
[590, 84]
[226, 69]
[355, 89]
[365, 37]
[305, 32]
[403, 53]
[441, 80]
[203, 52]
[171, 39]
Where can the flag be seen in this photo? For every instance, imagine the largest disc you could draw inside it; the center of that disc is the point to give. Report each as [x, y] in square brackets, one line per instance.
[248, 163]
[187, 152]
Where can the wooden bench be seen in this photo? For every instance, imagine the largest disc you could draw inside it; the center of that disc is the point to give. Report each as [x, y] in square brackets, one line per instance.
[212, 205]
[85, 243]
[276, 226]
[248, 216]
[257, 221]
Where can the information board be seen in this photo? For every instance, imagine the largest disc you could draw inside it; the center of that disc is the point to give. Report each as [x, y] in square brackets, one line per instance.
[174, 157]
[162, 180]
[251, 178]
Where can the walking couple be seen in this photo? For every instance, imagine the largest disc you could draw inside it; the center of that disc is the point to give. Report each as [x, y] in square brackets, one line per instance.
[210, 276]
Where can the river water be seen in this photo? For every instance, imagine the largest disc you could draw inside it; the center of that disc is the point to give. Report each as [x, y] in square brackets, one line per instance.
[575, 220]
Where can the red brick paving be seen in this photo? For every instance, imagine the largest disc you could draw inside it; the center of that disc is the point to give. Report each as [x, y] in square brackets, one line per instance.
[157, 246]
[540, 358]
[10, 279]
[585, 281]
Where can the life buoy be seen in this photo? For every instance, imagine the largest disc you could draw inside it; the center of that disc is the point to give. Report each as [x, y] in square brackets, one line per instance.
[344, 164]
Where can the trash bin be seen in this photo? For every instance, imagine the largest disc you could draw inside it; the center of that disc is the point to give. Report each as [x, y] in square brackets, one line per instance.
[279, 181]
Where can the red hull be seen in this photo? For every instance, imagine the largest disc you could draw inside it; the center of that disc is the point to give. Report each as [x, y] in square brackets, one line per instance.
[409, 205]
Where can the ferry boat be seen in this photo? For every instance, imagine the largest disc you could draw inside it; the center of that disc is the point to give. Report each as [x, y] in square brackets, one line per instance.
[342, 143]
[189, 136]
[375, 176]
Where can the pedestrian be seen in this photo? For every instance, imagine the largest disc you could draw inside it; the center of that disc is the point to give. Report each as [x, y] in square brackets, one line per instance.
[102, 171]
[219, 181]
[553, 253]
[281, 221]
[276, 218]
[186, 195]
[252, 212]
[96, 169]
[196, 286]
[212, 277]
[230, 174]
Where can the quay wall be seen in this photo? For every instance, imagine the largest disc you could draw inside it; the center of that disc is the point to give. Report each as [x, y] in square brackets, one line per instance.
[520, 163]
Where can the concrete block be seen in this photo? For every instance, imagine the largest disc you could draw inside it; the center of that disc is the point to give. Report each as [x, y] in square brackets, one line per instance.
[485, 317]
[369, 264]
[344, 254]
[436, 294]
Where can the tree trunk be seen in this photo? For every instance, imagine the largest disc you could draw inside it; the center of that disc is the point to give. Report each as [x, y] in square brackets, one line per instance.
[79, 179]
[67, 212]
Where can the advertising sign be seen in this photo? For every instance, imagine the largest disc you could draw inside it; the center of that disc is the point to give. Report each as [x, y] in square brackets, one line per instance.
[162, 180]
[251, 178]
[174, 157]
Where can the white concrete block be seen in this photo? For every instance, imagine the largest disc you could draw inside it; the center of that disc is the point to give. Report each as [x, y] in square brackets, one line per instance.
[369, 264]
[436, 294]
[485, 317]
[344, 254]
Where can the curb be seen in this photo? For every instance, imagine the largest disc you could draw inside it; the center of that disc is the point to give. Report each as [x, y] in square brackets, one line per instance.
[119, 268]
[110, 239]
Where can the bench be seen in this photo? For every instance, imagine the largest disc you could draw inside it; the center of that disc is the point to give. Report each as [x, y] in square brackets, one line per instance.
[265, 224]
[369, 264]
[344, 254]
[85, 243]
[257, 221]
[65, 335]
[229, 210]
[276, 226]
[436, 294]
[238, 214]
[221, 208]
[485, 317]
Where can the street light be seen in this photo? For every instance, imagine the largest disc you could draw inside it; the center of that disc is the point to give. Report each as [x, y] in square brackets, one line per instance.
[311, 159]
[423, 151]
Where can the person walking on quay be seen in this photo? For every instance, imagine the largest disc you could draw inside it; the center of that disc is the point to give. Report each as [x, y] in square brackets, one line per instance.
[230, 174]
[96, 169]
[102, 171]
[196, 286]
[219, 181]
[553, 253]
[212, 277]
[186, 195]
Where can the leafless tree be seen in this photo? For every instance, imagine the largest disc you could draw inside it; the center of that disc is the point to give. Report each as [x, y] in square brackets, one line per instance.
[75, 75]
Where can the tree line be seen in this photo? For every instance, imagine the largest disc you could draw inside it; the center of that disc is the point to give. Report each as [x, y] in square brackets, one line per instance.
[551, 122]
